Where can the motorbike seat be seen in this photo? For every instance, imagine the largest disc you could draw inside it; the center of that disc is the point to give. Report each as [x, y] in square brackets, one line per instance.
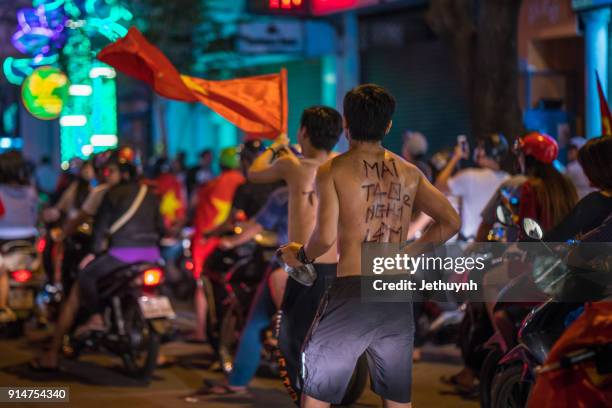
[17, 246]
[121, 277]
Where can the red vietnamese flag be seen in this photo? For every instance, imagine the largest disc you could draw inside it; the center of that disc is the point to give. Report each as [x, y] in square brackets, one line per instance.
[257, 105]
[606, 118]
[173, 205]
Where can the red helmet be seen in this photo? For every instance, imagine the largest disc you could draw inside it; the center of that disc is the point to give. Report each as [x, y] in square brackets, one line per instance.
[540, 146]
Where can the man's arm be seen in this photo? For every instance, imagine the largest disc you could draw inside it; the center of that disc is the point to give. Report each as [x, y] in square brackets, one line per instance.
[433, 203]
[266, 170]
[249, 230]
[446, 173]
[326, 229]
[101, 225]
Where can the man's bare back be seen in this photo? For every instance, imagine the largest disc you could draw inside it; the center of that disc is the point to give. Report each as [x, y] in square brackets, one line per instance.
[375, 189]
[319, 132]
[303, 202]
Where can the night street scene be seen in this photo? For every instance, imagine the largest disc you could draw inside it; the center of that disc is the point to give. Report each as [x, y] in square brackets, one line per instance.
[306, 203]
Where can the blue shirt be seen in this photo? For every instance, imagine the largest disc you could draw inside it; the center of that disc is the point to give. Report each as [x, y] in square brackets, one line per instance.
[274, 216]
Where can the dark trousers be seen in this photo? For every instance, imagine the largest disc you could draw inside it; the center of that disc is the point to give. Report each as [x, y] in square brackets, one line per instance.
[90, 276]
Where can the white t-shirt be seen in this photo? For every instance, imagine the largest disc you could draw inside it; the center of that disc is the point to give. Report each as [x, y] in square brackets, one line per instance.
[475, 186]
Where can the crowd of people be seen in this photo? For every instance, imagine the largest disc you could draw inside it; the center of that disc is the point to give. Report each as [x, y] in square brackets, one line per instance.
[314, 200]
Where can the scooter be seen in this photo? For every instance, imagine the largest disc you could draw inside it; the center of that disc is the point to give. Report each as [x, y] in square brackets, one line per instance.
[135, 317]
[231, 278]
[516, 371]
[507, 318]
[21, 261]
[578, 370]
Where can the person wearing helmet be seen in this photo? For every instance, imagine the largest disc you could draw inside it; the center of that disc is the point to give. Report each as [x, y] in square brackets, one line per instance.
[595, 158]
[547, 196]
[474, 186]
[137, 240]
[574, 170]
[211, 206]
[249, 198]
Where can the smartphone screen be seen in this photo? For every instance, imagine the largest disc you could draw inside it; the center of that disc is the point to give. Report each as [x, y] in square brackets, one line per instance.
[463, 142]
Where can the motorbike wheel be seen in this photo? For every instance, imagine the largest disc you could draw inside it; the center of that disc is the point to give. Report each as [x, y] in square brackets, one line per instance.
[229, 335]
[509, 390]
[140, 356]
[487, 372]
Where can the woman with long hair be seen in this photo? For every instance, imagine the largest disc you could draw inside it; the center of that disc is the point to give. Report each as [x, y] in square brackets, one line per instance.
[595, 157]
[547, 196]
[18, 216]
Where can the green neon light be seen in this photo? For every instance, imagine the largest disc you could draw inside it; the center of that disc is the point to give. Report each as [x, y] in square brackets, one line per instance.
[44, 91]
[95, 19]
[7, 67]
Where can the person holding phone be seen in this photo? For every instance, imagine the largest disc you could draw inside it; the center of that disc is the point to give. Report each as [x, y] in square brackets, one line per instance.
[475, 185]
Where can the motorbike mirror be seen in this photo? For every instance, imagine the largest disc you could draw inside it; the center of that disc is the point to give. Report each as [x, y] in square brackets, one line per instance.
[532, 229]
[504, 216]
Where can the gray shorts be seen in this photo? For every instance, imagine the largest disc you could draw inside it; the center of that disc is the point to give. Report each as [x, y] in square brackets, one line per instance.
[345, 328]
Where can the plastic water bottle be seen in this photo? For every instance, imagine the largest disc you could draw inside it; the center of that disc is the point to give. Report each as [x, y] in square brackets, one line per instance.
[304, 274]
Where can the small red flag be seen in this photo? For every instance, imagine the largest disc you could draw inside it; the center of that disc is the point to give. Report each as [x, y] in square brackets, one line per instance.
[257, 105]
[606, 118]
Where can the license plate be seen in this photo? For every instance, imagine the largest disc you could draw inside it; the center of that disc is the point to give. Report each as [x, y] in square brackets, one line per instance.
[155, 307]
[21, 299]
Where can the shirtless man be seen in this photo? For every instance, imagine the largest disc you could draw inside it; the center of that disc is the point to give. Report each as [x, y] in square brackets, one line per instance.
[320, 129]
[366, 194]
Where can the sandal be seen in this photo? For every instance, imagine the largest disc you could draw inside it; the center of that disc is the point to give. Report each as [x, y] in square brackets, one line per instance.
[212, 389]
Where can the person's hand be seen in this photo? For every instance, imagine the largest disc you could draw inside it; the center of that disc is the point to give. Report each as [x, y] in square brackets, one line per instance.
[86, 261]
[288, 254]
[459, 154]
[226, 243]
[281, 140]
[51, 214]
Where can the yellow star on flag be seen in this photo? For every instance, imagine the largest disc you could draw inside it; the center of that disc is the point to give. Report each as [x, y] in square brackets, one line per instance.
[223, 209]
[169, 205]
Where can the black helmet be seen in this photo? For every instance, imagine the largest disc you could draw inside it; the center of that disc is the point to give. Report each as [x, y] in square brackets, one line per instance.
[250, 149]
[495, 145]
[124, 159]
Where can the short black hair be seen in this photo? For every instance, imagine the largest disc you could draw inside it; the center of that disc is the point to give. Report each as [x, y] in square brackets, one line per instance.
[14, 169]
[368, 109]
[323, 126]
[594, 157]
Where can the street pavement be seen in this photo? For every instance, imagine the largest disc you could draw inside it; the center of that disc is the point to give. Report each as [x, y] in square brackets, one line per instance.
[97, 380]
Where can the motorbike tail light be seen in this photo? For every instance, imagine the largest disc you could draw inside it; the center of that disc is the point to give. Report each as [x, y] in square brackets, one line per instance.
[21, 275]
[241, 216]
[152, 277]
[42, 244]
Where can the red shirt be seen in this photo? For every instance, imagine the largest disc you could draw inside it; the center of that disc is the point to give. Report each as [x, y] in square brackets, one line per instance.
[214, 200]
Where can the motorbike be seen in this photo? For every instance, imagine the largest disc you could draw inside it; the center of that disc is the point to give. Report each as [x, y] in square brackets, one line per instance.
[21, 261]
[578, 370]
[230, 279]
[180, 265]
[515, 372]
[61, 259]
[135, 317]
